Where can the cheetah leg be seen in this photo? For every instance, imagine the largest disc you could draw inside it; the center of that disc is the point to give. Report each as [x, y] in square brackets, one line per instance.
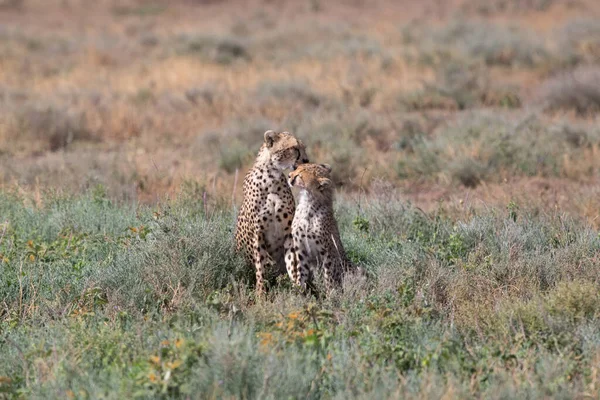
[297, 263]
[291, 261]
[302, 265]
[332, 272]
[327, 274]
[260, 258]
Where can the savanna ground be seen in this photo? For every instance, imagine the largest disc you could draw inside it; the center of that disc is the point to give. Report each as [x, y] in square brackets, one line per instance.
[465, 142]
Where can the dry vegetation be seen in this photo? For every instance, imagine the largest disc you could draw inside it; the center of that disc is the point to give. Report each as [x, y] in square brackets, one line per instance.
[142, 96]
[465, 141]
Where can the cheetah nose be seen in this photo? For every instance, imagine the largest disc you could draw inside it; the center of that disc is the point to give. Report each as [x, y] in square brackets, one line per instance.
[291, 180]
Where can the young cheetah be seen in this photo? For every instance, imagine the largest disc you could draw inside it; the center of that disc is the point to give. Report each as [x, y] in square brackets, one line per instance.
[263, 231]
[316, 239]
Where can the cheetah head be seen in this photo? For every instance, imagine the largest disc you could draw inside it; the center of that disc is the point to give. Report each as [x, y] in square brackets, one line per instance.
[284, 149]
[314, 178]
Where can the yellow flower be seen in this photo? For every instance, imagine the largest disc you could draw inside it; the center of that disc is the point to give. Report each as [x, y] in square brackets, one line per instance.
[31, 257]
[310, 332]
[133, 229]
[30, 243]
[293, 315]
[155, 359]
[265, 338]
[174, 364]
[164, 343]
[179, 342]
[153, 378]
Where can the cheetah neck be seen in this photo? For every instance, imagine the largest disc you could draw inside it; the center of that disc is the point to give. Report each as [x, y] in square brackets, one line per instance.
[263, 161]
[263, 158]
[308, 199]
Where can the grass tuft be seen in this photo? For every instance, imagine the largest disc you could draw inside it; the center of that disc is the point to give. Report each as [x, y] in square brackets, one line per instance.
[577, 90]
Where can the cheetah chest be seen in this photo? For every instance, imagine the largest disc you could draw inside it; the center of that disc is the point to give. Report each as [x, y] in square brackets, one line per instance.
[274, 210]
[310, 229]
[275, 218]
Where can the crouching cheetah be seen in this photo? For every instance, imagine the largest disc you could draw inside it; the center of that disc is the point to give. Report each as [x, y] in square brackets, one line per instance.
[263, 231]
[316, 239]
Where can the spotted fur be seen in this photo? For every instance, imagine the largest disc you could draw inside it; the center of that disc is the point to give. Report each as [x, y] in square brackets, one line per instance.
[263, 231]
[315, 234]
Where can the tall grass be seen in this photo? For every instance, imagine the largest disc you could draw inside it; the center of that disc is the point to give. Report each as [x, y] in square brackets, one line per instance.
[101, 299]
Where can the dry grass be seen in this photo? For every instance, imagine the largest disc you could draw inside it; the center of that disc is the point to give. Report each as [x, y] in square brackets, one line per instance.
[143, 96]
[472, 205]
[577, 90]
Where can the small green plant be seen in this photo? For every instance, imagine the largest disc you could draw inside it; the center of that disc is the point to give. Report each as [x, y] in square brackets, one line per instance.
[361, 223]
[308, 327]
[100, 194]
[167, 372]
[454, 249]
[143, 97]
[223, 50]
[513, 210]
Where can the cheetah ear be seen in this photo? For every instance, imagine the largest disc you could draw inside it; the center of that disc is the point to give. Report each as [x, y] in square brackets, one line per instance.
[324, 183]
[327, 167]
[270, 137]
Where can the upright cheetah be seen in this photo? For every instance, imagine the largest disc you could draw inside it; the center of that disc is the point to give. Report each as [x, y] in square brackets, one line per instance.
[316, 238]
[263, 231]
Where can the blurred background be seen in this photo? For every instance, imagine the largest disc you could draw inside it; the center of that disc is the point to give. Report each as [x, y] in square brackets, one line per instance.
[447, 101]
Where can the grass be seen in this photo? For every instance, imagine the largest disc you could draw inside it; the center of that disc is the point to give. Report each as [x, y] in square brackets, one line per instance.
[510, 6]
[459, 86]
[481, 146]
[104, 299]
[464, 144]
[492, 44]
[577, 90]
[222, 50]
[174, 92]
[580, 41]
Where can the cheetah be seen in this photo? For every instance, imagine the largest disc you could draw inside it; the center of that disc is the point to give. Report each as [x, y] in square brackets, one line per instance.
[316, 238]
[263, 230]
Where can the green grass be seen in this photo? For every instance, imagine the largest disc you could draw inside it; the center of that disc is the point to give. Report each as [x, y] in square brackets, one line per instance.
[99, 299]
